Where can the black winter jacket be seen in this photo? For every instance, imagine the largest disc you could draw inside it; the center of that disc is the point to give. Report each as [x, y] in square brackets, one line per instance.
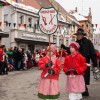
[87, 50]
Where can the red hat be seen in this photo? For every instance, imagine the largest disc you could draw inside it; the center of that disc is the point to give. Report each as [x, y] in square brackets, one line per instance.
[75, 45]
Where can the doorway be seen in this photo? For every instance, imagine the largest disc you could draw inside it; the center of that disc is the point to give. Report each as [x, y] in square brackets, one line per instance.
[31, 48]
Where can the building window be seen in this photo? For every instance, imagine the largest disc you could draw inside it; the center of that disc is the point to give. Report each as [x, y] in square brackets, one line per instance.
[30, 21]
[61, 41]
[21, 19]
[36, 25]
[37, 22]
[60, 17]
[67, 31]
[67, 42]
[54, 39]
[5, 18]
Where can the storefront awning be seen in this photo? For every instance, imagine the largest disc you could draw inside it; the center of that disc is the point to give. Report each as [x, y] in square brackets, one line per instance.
[4, 34]
[32, 41]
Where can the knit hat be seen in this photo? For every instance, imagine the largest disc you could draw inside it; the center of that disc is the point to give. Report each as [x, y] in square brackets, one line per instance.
[52, 47]
[75, 45]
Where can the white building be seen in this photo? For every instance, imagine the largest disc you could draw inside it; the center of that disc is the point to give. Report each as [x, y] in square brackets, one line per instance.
[21, 22]
[96, 39]
[2, 33]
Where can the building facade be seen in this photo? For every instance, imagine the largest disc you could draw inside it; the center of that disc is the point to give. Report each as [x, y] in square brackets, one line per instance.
[20, 21]
[3, 34]
[22, 26]
[96, 40]
[85, 22]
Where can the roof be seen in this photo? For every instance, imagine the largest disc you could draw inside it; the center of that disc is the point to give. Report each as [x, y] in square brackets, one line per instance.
[24, 7]
[32, 3]
[65, 14]
[28, 5]
[43, 3]
[48, 3]
[79, 17]
[37, 4]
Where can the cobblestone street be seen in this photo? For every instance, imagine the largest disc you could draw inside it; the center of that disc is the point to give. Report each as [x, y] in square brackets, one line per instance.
[23, 85]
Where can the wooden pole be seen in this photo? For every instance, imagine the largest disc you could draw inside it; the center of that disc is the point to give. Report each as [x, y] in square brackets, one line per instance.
[49, 48]
[50, 66]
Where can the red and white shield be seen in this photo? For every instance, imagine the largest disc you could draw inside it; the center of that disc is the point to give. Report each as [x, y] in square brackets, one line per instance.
[48, 20]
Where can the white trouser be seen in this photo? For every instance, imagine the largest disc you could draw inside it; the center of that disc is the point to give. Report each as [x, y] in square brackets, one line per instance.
[48, 99]
[51, 99]
[75, 96]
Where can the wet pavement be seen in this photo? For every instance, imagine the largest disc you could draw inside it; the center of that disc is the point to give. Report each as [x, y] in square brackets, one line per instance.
[22, 85]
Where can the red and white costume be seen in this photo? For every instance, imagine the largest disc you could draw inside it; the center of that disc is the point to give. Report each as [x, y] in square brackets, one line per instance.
[75, 83]
[49, 86]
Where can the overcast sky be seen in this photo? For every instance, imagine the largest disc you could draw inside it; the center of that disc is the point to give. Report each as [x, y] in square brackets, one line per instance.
[94, 4]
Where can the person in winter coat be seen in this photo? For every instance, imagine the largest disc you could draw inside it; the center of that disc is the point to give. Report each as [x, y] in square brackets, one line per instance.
[98, 58]
[15, 54]
[49, 86]
[24, 60]
[10, 59]
[43, 53]
[1, 60]
[37, 57]
[19, 58]
[87, 50]
[74, 68]
[29, 60]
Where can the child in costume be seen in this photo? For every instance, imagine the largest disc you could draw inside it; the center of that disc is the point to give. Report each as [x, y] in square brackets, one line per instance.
[49, 87]
[74, 68]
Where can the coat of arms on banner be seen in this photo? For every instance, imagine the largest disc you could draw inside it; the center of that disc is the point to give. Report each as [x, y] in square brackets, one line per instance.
[48, 20]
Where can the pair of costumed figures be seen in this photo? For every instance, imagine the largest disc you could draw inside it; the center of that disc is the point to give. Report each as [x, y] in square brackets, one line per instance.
[75, 67]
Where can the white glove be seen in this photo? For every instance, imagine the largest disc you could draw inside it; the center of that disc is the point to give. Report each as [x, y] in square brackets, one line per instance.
[96, 73]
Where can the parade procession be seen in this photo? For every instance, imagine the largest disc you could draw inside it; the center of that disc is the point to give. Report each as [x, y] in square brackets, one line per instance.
[49, 50]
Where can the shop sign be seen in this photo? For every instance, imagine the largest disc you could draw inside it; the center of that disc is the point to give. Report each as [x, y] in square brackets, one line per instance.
[34, 36]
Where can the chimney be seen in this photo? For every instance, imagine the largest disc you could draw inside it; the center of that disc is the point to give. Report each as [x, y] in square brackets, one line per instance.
[75, 9]
[90, 11]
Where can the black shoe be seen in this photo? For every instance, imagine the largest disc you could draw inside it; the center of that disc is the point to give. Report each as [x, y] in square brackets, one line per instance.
[6, 73]
[1, 74]
[85, 94]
